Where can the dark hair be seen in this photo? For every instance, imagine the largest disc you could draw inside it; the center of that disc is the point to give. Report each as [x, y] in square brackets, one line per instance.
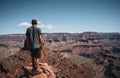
[34, 21]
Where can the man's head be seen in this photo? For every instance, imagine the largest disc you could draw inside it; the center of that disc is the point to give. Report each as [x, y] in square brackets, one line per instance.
[34, 22]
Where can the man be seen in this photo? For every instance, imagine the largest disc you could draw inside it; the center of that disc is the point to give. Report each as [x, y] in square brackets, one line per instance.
[34, 41]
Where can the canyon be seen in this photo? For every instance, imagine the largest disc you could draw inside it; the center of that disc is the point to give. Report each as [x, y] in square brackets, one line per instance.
[71, 55]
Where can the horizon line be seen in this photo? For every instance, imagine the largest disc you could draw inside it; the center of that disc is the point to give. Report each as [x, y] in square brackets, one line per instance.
[63, 32]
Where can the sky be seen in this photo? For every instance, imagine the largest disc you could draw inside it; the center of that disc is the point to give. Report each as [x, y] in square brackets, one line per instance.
[54, 16]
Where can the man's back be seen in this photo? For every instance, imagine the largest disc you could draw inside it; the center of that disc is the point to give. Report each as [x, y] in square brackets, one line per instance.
[33, 36]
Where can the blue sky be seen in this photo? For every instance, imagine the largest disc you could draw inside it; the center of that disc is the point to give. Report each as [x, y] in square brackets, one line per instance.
[74, 16]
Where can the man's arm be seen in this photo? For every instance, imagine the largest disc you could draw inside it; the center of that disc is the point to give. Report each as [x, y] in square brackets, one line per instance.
[27, 42]
[41, 41]
[40, 38]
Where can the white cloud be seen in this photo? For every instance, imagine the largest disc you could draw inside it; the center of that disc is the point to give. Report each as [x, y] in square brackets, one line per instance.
[50, 27]
[39, 22]
[26, 24]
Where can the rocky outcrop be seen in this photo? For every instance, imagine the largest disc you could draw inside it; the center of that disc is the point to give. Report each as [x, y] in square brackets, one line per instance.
[44, 69]
[19, 66]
